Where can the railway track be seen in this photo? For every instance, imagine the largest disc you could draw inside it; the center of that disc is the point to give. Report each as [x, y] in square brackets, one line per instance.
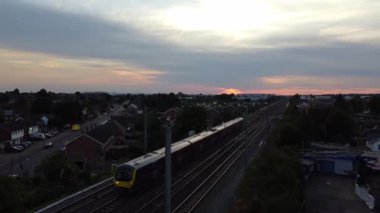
[191, 202]
[181, 181]
[196, 177]
[107, 199]
[86, 201]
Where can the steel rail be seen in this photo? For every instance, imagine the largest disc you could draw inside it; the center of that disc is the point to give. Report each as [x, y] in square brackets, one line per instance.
[199, 193]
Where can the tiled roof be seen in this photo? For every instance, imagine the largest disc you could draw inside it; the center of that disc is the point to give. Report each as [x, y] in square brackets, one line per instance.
[11, 126]
[103, 132]
[122, 120]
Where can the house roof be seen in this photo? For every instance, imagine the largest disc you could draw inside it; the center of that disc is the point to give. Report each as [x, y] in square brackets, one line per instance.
[26, 123]
[373, 135]
[122, 120]
[8, 112]
[103, 132]
[325, 155]
[11, 126]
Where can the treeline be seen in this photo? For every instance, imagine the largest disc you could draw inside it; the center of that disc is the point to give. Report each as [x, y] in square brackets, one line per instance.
[60, 108]
[56, 176]
[195, 114]
[273, 182]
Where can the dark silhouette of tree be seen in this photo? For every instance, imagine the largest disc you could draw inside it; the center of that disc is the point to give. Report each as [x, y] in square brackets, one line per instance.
[341, 104]
[68, 111]
[357, 104]
[1, 116]
[43, 103]
[161, 102]
[192, 118]
[16, 92]
[4, 98]
[374, 104]
[10, 197]
[272, 183]
[340, 126]
[225, 97]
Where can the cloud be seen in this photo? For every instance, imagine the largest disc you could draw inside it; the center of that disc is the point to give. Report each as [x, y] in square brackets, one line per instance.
[35, 70]
[101, 38]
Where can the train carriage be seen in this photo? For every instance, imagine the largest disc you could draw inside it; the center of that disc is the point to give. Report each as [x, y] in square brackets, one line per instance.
[149, 169]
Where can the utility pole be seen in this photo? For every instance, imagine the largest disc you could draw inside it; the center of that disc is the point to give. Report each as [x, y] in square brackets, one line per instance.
[145, 129]
[168, 133]
[246, 138]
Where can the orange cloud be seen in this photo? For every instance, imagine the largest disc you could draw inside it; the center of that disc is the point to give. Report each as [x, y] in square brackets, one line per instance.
[29, 69]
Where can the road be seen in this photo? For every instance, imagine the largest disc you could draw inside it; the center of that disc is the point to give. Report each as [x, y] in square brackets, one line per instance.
[24, 162]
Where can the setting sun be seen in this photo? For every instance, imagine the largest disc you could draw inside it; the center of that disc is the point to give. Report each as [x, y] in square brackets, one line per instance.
[232, 91]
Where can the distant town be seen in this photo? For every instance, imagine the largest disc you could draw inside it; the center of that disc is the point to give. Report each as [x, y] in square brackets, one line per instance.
[55, 144]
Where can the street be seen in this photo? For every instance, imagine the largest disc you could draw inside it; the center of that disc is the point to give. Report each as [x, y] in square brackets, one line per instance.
[25, 162]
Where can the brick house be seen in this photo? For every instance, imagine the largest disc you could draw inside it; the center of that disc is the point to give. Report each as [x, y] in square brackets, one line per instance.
[89, 149]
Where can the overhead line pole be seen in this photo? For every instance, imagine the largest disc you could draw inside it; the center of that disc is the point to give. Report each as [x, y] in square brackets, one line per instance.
[168, 131]
[145, 129]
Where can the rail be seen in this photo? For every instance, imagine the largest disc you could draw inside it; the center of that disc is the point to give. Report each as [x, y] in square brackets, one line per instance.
[69, 200]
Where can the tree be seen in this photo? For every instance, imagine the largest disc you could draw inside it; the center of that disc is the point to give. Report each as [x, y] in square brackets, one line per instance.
[340, 125]
[272, 182]
[43, 103]
[290, 135]
[4, 99]
[192, 118]
[341, 104]
[374, 104]
[1, 116]
[9, 195]
[68, 111]
[16, 92]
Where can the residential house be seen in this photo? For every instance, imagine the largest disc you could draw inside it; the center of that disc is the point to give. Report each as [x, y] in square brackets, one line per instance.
[374, 145]
[373, 140]
[334, 162]
[12, 132]
[9, 115]
[89, 149]
[30, 128]
[171, 114]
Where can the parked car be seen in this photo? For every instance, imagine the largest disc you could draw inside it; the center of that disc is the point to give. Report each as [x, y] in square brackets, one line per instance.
[12, 148]
[38, 136]
[48, 144]
[23, 145]
[49, 135]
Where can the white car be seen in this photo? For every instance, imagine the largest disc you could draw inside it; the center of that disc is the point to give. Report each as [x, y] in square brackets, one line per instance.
[48, 144]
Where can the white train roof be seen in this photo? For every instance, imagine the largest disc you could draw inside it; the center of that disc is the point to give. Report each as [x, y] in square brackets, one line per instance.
[160, 153]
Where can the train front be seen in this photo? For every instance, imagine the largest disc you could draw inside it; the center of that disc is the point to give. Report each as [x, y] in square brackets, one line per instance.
[125, 176]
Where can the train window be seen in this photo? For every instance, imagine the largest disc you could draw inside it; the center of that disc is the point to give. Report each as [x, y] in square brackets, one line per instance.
[124, 173]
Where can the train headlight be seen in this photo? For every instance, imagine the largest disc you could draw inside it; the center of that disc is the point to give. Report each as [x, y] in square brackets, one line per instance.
[116, 182]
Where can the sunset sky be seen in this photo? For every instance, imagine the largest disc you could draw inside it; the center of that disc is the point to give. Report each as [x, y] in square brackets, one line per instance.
[206, 46]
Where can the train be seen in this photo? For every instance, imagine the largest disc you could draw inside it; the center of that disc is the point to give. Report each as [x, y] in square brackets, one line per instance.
[149, 169]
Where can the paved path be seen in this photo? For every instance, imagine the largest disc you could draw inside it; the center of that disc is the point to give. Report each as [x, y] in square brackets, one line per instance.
[333, 194]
